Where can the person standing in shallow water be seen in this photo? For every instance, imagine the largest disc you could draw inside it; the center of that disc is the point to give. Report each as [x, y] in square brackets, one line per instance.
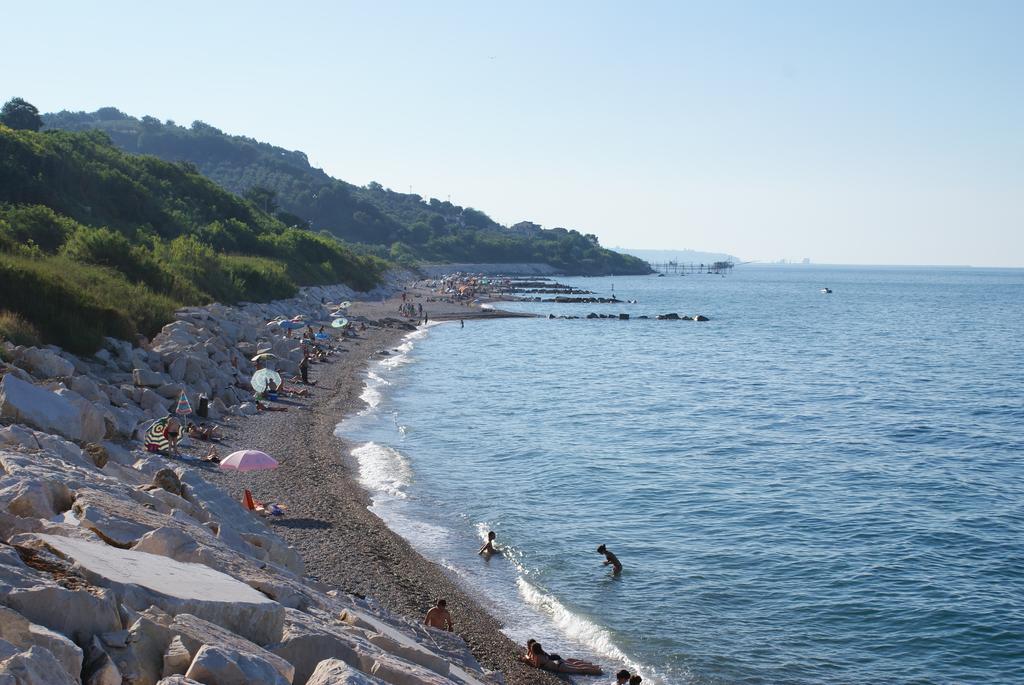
[622, 677]
[488, 548]
[438, 616]
[611, 559]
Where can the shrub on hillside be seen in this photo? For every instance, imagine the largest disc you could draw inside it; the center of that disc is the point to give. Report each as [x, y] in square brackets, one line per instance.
[14, 328]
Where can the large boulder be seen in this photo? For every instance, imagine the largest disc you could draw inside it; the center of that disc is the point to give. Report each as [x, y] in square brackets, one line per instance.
[89, 389]
[68, 415]
[147, 378]
[21, 632]
[41, 498]
[100, 668]
[91, 417]
[216, 665]
[35, 666]
[46, 364]
[79, 613]
[337, 672]
[307, 641]
[177, 368]
[397, 671]
[141, 580]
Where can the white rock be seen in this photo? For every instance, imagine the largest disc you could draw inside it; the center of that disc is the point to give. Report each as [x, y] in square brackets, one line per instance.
[176, 658]
[87, 388]
[22, 633]
[18, 435]
[216, 665]
[91, 419]
[150, 401]
[20, 374]
[113, 530]
[177, 368]
[99, 667]
[46, 364]
[397, 671]
[75, 613]
[337, 672]
[31, 498]
[36, 666]
[124, 420]
[308, 641]
[47, 411]
[145, 377]
[67, 451]
[141, 580]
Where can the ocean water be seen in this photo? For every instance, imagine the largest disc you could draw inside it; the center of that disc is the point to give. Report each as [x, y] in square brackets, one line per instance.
[808, 488]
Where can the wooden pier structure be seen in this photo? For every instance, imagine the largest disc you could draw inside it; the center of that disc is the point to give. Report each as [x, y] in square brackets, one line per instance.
[682, 269]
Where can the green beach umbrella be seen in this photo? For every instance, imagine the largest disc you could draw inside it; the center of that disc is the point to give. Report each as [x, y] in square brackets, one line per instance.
[339, 323]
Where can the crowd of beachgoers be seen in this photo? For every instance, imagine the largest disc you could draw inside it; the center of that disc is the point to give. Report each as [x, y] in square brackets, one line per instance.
[118, 490]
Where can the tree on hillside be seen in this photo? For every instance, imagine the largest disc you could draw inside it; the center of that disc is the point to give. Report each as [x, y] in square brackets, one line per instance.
[264, 198]
[19, 114]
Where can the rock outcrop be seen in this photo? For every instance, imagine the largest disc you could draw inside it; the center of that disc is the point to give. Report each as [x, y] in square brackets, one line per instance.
[118, 566]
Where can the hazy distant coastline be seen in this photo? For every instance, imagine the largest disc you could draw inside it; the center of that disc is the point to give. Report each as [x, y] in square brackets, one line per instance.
[681, 256]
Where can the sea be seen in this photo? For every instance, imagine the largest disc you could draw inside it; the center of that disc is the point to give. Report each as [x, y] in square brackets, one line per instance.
[807, 488]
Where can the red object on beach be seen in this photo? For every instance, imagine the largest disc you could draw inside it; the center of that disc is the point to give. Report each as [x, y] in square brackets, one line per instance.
[248, 460]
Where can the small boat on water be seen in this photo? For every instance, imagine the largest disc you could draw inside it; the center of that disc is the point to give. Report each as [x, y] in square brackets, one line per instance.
[827, 291]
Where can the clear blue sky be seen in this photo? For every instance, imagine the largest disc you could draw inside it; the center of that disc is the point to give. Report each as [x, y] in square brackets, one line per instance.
[859, 132]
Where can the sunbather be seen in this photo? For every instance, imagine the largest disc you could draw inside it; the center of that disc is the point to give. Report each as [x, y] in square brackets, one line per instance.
[538, 658]
[261, 508]
[263, 406]
[203, 431]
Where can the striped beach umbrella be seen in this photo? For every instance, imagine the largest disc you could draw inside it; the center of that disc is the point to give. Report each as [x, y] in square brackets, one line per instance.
[183, 408]
[155, 438]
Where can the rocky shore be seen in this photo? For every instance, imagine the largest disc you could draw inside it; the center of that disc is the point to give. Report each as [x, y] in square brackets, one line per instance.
[123, 566]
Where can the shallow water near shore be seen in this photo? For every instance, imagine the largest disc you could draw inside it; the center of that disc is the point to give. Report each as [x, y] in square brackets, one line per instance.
[808, 488]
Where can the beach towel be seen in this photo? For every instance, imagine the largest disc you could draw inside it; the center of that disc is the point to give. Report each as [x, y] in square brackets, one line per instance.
[156, 441]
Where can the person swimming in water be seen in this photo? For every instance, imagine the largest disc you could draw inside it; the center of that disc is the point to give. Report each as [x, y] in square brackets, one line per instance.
[622, 677]
[488, 547]
[610, 558]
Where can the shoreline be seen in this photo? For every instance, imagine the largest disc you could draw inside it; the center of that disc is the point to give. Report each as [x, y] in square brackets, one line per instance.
[329, 522]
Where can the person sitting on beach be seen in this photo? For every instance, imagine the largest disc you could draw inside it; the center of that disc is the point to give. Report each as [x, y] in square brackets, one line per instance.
[438, 616]
[540, 659]
[610, 558]
[488, 547]
[622, 677]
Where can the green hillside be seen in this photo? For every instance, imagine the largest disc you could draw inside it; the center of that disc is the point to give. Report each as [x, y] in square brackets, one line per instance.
[400, 226]
[96, 242]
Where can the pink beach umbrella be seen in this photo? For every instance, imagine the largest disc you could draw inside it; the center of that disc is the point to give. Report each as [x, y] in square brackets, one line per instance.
[248, 460]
